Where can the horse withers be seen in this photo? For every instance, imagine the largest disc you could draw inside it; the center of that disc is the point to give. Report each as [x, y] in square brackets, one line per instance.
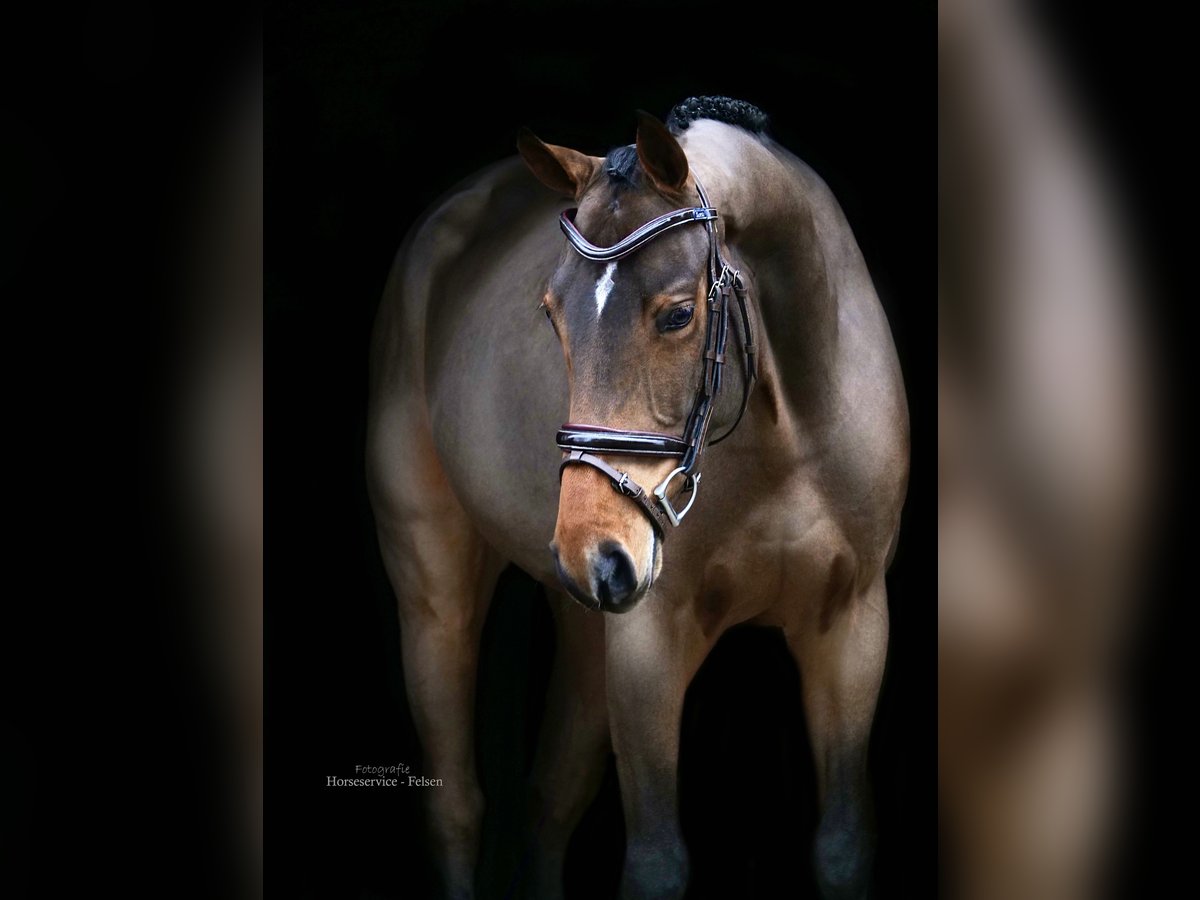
[736, 451]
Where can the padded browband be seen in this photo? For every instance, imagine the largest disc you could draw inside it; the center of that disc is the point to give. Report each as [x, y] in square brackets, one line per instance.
[627, 245]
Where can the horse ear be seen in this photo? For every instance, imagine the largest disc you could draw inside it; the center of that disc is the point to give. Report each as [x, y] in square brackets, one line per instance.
[561, 169]
[660, 154]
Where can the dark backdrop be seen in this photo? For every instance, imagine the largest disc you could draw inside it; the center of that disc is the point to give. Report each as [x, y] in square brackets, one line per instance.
[373, 110]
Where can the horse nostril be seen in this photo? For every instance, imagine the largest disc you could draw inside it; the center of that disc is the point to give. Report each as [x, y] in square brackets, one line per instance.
[615, 575]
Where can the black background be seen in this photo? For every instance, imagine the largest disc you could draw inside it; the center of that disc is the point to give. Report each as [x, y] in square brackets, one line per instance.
[373, 111]
[112, 736]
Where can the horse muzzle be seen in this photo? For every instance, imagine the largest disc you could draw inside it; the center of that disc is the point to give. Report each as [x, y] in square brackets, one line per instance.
[610, 583]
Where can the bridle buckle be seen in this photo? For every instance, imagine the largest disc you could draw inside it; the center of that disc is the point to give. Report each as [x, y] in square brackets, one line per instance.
[723, 280]
[622, 486]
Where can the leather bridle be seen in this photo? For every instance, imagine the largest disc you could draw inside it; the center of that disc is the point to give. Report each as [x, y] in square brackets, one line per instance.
[582, 443]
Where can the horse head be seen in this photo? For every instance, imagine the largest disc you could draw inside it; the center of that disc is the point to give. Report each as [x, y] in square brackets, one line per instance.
[639, 309]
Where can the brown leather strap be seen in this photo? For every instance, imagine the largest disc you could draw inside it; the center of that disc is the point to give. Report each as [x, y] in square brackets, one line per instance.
[750, 358]
[625, 485]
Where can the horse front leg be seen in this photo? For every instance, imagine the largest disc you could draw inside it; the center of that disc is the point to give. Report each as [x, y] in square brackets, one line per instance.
[572, 747]
[841, 667]
[444, 581]
[652, 653]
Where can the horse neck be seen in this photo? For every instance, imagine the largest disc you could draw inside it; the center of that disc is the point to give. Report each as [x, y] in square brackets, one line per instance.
[777, 219]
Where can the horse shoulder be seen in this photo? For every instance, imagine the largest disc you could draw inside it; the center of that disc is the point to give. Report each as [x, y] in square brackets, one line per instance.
[404, 472]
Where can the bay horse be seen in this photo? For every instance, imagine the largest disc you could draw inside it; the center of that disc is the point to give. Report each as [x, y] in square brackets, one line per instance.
[793, 526]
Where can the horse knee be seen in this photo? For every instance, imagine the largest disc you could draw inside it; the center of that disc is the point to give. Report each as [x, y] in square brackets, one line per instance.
[552, 814]
[455, 820]
[456, 813]
[843, 854]
[655, 871]
[442, 620]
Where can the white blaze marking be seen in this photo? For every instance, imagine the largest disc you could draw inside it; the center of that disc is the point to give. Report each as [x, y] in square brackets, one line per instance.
[604, 286]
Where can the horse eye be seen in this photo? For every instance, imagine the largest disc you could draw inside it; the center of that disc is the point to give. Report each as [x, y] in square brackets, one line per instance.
[676, 318]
